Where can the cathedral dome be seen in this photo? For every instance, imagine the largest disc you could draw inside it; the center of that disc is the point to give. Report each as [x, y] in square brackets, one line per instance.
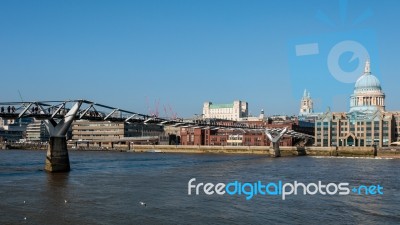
[367, 82]
[368, 94]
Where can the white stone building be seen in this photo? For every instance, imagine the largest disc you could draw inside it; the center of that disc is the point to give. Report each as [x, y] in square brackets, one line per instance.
[232, 111]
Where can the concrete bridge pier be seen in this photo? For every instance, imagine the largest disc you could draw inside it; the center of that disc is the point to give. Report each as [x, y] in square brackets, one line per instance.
[276, 152]
[57, 159]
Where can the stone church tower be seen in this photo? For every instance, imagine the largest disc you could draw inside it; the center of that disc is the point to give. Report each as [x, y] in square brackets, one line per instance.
[306, 106]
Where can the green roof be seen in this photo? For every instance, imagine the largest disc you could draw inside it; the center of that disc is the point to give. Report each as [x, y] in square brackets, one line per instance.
[220, 106]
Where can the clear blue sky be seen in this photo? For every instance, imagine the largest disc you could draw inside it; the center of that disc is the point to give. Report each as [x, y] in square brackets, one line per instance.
[183, 53]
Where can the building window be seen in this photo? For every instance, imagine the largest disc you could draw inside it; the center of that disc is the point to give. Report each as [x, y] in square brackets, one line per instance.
[325, 143]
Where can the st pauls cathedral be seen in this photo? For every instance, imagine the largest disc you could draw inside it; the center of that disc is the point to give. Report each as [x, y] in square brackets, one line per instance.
[366, 124]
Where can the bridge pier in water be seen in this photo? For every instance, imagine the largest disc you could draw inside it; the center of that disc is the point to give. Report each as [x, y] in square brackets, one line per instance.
[276, 151]
[57, 159]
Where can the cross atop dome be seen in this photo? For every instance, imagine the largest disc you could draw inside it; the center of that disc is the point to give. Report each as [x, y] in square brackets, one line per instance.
[367, 68]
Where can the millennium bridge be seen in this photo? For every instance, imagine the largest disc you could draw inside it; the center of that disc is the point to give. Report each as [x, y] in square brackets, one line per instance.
[59, 115]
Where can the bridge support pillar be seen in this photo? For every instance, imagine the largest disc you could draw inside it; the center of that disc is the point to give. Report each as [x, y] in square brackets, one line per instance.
[57, 159]
[275, 152]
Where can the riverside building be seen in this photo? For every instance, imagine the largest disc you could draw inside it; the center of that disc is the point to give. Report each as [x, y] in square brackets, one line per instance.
[105, 133]
[37, 132]
[13, 130]
[247, 137]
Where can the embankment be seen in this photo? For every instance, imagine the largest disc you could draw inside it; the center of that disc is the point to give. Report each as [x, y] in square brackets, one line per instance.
[389, 152]
[285, 150]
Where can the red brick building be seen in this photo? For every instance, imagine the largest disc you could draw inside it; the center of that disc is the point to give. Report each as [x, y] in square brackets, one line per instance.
[243, 137]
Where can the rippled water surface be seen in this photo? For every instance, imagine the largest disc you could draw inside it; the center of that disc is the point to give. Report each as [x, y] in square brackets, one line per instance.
[106, 188]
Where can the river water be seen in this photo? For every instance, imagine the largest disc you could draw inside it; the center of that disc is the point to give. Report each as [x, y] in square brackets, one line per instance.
[106, 188]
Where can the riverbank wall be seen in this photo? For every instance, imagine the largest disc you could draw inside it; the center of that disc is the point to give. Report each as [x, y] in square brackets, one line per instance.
[261, 150]
[32, 146]
[267, 150]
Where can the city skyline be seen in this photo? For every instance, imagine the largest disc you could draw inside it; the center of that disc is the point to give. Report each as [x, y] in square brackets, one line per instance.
[182, 54]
